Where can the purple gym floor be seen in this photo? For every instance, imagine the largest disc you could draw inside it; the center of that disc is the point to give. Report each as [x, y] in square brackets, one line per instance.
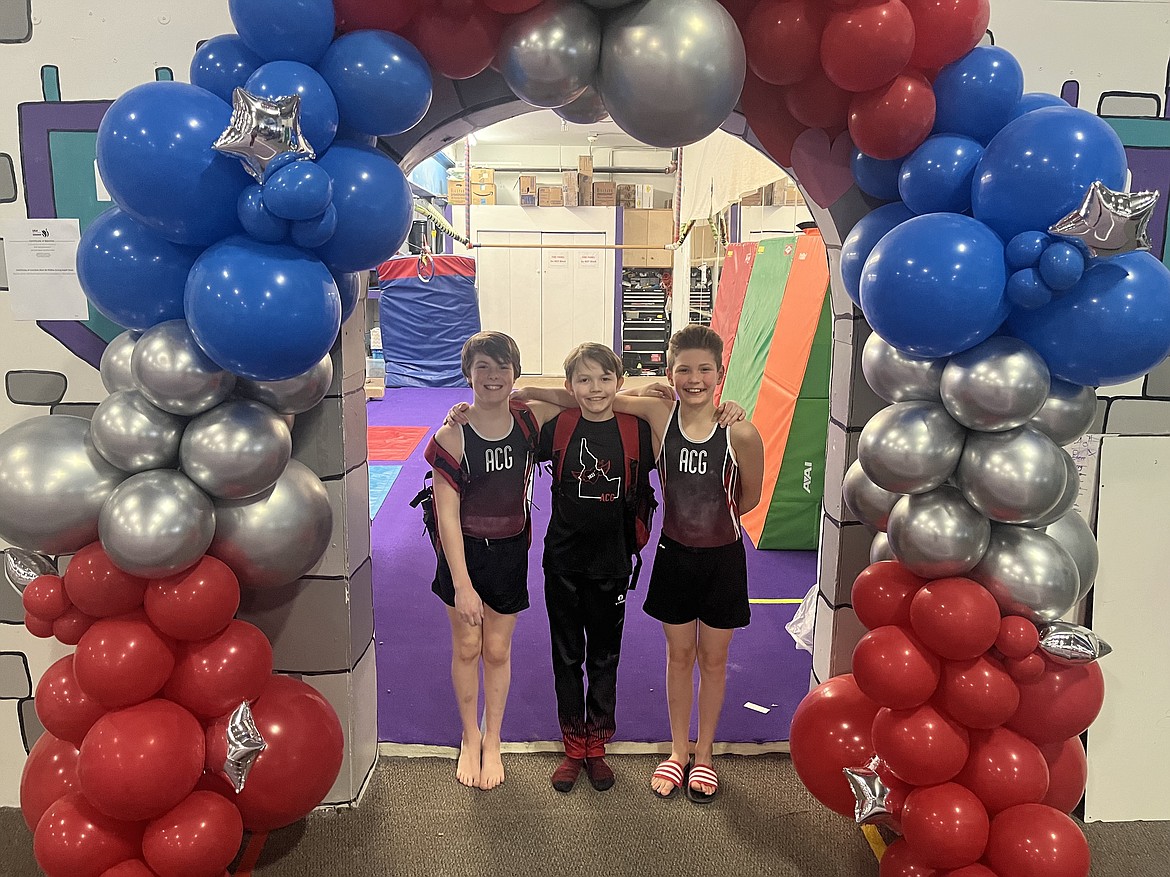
[415, 702]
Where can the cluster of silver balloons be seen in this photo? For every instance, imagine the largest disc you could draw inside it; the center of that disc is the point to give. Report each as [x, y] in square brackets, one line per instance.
[181, 459]
[965, 473]
[668, 72]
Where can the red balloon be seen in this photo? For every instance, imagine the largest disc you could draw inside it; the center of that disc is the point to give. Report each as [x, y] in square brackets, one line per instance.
[200, 836]
[946, 30]
[978, 693]
[139, 762]
[45, 598]
[1027, 669]
[130, 868]
[38, 627]
[213, 676]
[946, 825]
[1062, 703]
[883, 592]
[922, 746]
[783, 40]
[774, 127]
[194, 604]
[1067, 774]
[976, 870]
[391, 15]
[1004, 770]
[63, 708]
[894, 669]
[122, 661]
[866, 47]
[1037, 841]
[892, 121]
[900, 860]
[739, 10]
[98, 588]
[511, 7]
[72, 625]
[956, 618]
[458, 39]
[1017, 638]
[74, 839]
[816, 102]
[50, 771]
[302, 759]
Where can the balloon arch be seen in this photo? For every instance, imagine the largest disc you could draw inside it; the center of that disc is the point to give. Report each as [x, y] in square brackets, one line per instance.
[990, 245]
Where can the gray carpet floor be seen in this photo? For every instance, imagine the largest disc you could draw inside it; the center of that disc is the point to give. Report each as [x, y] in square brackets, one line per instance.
[415, 821]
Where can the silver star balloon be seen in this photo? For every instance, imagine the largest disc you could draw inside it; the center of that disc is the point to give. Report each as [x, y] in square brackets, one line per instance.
[872, 796]
[244, 745]
[1067, 643]
[261, 129]
[1110, 223]
[21, 567]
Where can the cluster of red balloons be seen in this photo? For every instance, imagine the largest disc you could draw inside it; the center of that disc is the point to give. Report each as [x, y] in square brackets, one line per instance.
[972, 730]
[128, 777]
[866, 66]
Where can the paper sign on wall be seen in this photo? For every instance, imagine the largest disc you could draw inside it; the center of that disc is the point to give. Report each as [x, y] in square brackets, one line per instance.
[41, 258]
[558, 260]
[589, 260]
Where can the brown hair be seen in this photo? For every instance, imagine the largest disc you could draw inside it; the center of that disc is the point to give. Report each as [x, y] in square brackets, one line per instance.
[695, 337]
[497, 345]
[598, 354]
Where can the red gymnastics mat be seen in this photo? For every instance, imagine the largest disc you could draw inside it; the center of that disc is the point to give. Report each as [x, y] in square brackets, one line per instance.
[394, 442]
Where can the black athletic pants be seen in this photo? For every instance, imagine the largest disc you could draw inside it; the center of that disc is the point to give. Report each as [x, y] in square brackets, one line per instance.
[585, 619]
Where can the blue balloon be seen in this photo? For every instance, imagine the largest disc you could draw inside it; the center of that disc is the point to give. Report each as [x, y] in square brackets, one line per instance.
[130, 274]
[1062, 266]
[310, 233]
[1038, 168]
[934, 285]
[223, 64]
[266, 312]
[155, 157]
[1025, 249]
[350, 287]
[300, 190]
[876, 177]
[936, 177]
[374, 208]
[318, 106]
[258, 221]
[1026, 289]
[1110, 328]
[977, 94]
[863, 238]
[382, 82]
[1037, 100]
[285, 30]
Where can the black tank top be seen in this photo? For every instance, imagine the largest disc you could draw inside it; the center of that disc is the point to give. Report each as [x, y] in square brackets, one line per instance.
[494, 503]
[700, 482]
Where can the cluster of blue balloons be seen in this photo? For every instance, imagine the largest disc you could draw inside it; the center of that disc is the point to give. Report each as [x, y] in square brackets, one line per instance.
[962, 249]
[264, 271]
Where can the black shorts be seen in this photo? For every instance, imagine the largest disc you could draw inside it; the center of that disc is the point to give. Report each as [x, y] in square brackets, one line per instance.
[704, 584]
[498, 569]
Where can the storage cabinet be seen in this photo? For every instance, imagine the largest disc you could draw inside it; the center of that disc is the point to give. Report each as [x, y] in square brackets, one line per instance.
[645, 320]
[649, 228]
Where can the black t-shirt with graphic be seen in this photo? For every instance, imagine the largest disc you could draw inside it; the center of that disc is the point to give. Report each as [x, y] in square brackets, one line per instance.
[587, 527]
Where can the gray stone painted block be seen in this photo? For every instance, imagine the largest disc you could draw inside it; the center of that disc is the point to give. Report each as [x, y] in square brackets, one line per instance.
[32, 387]
[349, 546]
[842, 216]
[1098, 425]
[11, 607]
[15, 21]
[1158, 381]
[7, 189]
[835, 634]
[841, 302]
[1138, 417]
[15, 681]
[77, 409]
[354, 697]
[30, 723]
[330, 438]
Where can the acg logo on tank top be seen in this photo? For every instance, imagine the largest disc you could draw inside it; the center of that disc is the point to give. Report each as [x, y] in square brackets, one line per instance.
[497, 459]
[692, 461]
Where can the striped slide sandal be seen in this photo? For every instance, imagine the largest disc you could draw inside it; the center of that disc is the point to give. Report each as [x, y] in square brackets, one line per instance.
[671, 771]
[705, 774]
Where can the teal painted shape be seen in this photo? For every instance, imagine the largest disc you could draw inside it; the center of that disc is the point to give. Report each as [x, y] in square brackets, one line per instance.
[382, 478]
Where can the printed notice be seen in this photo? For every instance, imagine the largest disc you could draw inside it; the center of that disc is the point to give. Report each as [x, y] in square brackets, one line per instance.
[41, 256]
[589, 259]
[558, 260]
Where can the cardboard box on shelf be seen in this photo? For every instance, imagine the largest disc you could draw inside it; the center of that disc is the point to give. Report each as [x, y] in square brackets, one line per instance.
[585, 165]
[483, 175]
[578, 189]
[625, 195]
[550, 196]
[644, 197]
[634, 228]
[527, 184]
[528, 199]
[456, 191]
[483, 193]
[605, 194]
[375, 388]
[659, 233]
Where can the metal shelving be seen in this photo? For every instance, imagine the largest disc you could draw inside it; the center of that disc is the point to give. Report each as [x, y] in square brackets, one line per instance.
[645, 320]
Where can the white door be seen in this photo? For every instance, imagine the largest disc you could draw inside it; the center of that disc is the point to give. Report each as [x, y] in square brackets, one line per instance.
[577, 291]
[509, 282]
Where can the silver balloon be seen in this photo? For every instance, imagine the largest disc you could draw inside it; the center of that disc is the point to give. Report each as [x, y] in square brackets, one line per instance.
[53, 484]
[910, 447]
[1073, 534]
[937, 534]
[995, 386]
[175, 374]
[294, 395]
[236, 450]
[898, 377]
[244, 745]
[1028, 573]
[1014, 477]
[607, 4]
[548, 55]
[1072, 489]
[880, 549]
[21, 567]
[671, 70]
[1070, 644]
[276, 537]
[156, 523]
[1067, 413]
[586, 109]
[135, 435]
[869, 503]
[115, 363]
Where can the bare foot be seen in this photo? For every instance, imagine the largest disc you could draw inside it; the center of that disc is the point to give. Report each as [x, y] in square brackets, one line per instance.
[492, 771]
[467, 771]
[663, 786]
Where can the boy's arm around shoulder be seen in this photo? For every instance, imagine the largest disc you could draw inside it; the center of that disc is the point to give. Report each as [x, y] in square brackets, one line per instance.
[655, 410]
[749, 455]
[545, 403]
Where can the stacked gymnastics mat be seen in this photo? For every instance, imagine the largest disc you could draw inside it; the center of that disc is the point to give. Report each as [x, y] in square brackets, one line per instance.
[773, 313]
